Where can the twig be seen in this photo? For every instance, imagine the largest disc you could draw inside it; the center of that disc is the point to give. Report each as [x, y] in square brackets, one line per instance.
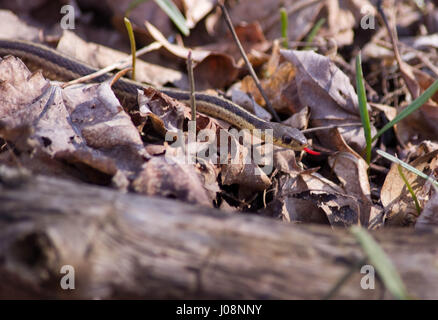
[423, 57]
[354, 124]
[245, 58]
[391, 33]
[192, 85]
[406, 72]
[118, 75]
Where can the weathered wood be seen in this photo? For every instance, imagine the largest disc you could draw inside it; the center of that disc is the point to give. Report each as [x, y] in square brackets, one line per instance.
[131, 246]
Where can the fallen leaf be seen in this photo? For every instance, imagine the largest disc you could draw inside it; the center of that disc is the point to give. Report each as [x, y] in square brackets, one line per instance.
[399, 206]
[196, 10]
[327, 91]
[352, 173]
[429, 216]
[12, 27]
[212, 70]
[82, 124]
[161, 176]
[309, 197]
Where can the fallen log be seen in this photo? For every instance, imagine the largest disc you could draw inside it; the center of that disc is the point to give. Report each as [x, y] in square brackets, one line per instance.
[132, 246]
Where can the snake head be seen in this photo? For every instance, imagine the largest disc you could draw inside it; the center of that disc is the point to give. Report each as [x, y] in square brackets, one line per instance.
[288, 137]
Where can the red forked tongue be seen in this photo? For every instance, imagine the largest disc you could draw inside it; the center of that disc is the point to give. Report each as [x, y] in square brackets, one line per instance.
[314, 153]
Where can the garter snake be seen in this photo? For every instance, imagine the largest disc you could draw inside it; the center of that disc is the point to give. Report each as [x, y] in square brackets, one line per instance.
[62, 67]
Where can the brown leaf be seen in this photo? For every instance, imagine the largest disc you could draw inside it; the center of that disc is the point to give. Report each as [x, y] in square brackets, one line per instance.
[341, 22]
[299, 120]
[11, 27]
[217, 70]
[248, 176]
[284, 161]
[399, 206]
[329, 94]
[309, 197]
[212, 70]
[273, 85]
[83, 124]
[163, 177]
[429, 216]
[181, 52]
[166, 113]
[352, 173]
[301, 18]
[250, 36]
[196, 10]
[422, 124]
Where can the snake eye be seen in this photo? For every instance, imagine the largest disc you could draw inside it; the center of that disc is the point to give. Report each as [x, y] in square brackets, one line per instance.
[287, 139]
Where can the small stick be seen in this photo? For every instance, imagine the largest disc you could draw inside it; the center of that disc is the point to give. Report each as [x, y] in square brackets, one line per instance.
[192, 85]
[245, 58]
[118, 75]
[331, 127]
[392, 35]
[406, 73]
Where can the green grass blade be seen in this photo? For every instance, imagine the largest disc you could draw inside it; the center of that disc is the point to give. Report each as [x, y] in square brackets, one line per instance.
[170, 9]
[362, 97]
[381, 262]
[313, 33]
[284, 26]
[175, 15]
[132, 41]
[417, 103]
[411, 191]
[407, 166]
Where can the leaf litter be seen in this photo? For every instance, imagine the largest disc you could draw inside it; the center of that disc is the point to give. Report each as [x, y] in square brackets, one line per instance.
[83, 132]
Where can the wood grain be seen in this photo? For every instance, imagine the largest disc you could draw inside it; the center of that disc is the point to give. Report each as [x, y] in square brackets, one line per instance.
[131, 246]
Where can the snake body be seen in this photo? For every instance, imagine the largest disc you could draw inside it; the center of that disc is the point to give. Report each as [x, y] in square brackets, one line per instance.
[62, 67]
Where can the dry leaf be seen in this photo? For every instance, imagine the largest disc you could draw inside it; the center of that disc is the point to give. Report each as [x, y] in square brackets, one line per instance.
[309, 197]
[81, 124]
[11, 27]
[399, 206]
[352, 173]
[212, 70]
[327, 91]
[273, 85]
[196, 10]
[429, 216]
[161, 176]
[266, 12]
[247, 174]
